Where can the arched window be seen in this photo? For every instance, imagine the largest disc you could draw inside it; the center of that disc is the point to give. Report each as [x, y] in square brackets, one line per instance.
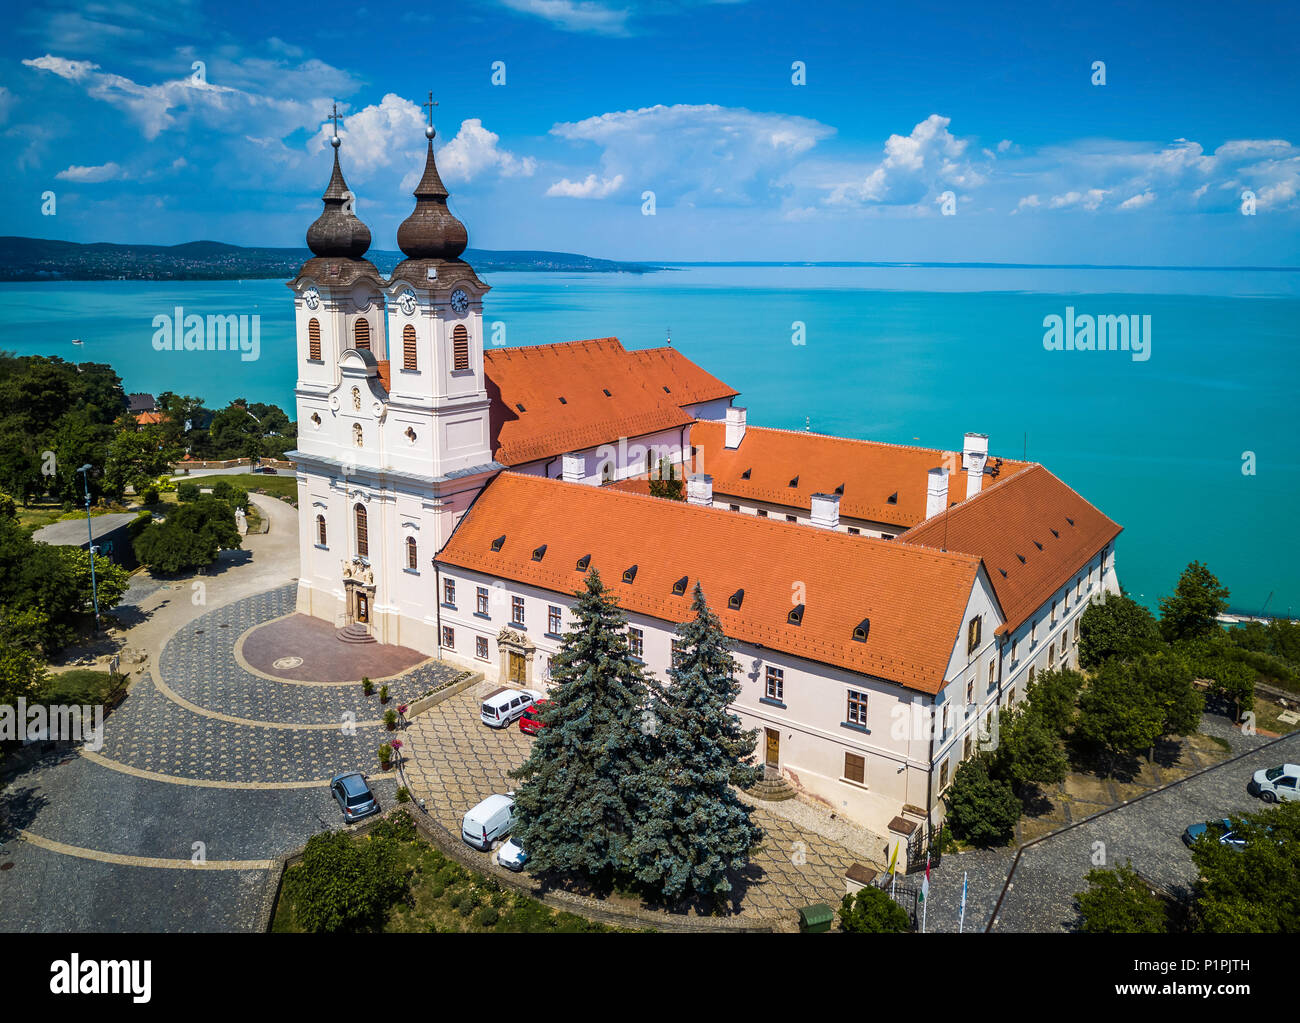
[363, 543]
[356, 433]
[320, 530]
[361, 335]
[408, 348]
[460, 347]
[412, 555]
[313, 339]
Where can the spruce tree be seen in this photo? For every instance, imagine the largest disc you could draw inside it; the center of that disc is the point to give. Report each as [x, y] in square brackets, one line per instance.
[578, 805]
[694, 829]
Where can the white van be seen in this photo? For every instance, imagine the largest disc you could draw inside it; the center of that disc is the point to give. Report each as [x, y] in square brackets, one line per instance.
[1276, 783]
[502, 706]
[490, 820]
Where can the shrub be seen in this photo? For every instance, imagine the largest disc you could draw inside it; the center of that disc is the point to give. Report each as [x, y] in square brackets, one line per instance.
[222, 490]
[367, 686]
[385, 753]
[151, 496]
[872, 911]
[981, 810]
[1119, 902]
[403, 794]
[187, 492]
[398, 827]
[390, 719]
[343, 885]
[487, 916]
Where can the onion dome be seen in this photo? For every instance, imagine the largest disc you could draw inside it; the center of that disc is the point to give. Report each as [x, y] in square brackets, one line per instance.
[431, 232]
[337, 232]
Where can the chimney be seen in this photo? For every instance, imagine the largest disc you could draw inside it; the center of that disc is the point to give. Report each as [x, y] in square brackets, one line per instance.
[699, 489]
[936, 493]
[735, 426]
[974, 453]
[826, 510]
[574, 468]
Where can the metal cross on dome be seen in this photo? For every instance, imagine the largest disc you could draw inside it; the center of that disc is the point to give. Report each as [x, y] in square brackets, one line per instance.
[429, 106]
[334, 116]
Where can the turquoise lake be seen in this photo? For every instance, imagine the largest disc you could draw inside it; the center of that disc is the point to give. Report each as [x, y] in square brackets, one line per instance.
[905, 355]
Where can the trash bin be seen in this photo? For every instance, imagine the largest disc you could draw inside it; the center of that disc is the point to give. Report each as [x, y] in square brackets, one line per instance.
[816, 919]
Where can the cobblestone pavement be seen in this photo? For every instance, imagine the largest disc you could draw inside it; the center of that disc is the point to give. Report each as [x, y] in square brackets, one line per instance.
[453, 760]
[207, 773]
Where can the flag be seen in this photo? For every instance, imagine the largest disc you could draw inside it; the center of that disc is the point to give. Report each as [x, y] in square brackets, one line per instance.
[893, 860]
[925, 885]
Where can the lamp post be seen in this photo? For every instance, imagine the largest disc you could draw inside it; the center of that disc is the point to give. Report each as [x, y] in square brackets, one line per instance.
[90, 532]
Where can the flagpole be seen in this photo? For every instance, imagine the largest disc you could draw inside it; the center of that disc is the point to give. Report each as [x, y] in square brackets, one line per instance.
[925, 892]
[961, 919]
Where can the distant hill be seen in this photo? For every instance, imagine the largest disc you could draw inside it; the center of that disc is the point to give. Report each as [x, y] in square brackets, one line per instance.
[43, 259]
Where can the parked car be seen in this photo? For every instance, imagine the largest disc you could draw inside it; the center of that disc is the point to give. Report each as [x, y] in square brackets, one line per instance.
[488, 821]
[502, 707]
[1220, 828]
[267, 470]
[530, 721]
[511, 856]
[1276, 783]
[353, 796]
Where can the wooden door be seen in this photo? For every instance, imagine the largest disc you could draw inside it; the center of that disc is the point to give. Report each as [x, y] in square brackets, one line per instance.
[363, 608]
[518, 671]
[773, 747]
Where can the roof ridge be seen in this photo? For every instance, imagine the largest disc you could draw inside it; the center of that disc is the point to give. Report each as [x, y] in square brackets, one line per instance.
[862, 440]
[551, 345]
[967, 502]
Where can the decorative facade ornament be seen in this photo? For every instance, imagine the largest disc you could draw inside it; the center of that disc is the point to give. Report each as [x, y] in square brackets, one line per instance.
[357, 571]
[356, 434]
[356, 399]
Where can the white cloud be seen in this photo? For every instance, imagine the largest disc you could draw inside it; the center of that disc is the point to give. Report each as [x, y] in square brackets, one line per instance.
[1089, 199]
[1028, 202]
[686, 153]
[90, 175]
[1136, 202]
[1004, 145]
[590, 187]
[475, 150]
[576, 15]
[914, 166]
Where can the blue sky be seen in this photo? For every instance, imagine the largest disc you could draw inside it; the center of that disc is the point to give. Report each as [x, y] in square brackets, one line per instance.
[694, 101]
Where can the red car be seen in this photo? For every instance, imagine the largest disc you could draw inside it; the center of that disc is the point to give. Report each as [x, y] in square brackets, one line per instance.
[531, 721]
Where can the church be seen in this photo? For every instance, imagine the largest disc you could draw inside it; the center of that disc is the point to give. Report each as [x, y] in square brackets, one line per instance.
[883, 601]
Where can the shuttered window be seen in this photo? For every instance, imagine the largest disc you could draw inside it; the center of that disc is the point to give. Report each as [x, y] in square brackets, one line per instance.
[363, 543]
[313, 340]
[412, 560]
[408, 348]
[855, 768]
[460, 347]
[361, 335]
[320, 530]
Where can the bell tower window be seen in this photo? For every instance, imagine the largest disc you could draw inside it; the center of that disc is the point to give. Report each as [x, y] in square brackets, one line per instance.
[320, 530]
[460, 347]
[313, 339]
[408, 349]
[361, 335]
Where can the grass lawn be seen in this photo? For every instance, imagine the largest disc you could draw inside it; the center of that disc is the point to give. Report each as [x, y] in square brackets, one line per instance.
[444, 897]
[80, 686]
[38, 514]
[1266, 715]
[283, 485]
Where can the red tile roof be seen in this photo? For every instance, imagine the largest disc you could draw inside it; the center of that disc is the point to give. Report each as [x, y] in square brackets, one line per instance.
[913, 597]
[525, 385]
[870, 472]
[1033, 533]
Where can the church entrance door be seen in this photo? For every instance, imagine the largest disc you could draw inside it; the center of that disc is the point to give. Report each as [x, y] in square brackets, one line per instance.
[518, 669]
[363, 608]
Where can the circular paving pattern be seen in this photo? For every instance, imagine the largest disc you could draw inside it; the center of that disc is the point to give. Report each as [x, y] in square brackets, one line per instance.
[286, 662]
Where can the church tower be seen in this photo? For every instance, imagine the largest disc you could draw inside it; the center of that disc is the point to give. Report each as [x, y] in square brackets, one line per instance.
[393, 414]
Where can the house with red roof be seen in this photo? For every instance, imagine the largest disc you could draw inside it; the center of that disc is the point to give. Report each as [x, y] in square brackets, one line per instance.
[883, 600]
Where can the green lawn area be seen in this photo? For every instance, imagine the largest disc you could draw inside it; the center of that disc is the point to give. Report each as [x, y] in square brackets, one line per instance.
[444, 897]
[38, 514]
[283, 485]
[80, 686]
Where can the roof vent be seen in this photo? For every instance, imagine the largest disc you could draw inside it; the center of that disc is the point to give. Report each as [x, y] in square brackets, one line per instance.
[795, 617]
[520, 407]
[745, 475]
[563, 401]
[1056, 534]
[539, 553]
[794, 482]
[861, 630]
[607, 394]
[630, 574]
[499, 542]
[1003, 571]
[582, 564]
[679, 587]
[892, 498]
[666, 391]
[840, 490]
[1069, 520]
[735, 600]
[1021, 557]
[1038, 545]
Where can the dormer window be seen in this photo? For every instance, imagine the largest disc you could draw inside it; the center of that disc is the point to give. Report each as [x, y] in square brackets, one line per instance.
[794, 482]
[795, 617]
[539, 553]
[583, 563]
[630, 574]
[892, 498]
[499, 542]
[735, 600]
[679, 587]
[745, 475]
[861, 631]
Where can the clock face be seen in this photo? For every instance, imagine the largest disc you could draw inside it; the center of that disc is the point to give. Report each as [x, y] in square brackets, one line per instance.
[459, 300]
[407, 303]
[312, 297]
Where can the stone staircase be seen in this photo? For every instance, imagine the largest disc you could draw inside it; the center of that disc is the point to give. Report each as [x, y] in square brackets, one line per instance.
[772, 787]
[354, 633]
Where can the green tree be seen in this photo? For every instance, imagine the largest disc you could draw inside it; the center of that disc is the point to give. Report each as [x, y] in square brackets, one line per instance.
[189, 538]
[694, 830]
[1166, 677]
[134, 459]
[1255, 889]
[1054, 697]
[1117, 626]
[982, 810]
[872, 911]
[1195, 605]
[580, 799]
[1119, 902]
[344, 884]
[1029, 751]
[1116, 712]
[666, 483]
